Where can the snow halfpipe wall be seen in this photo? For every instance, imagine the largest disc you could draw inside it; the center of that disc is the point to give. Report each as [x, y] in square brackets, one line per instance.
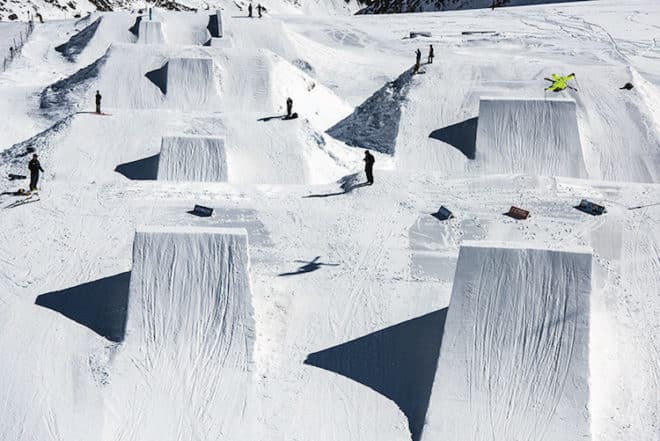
[151, 32]
[185, 364]
[192, 158]
[514, 358]
[529, 136]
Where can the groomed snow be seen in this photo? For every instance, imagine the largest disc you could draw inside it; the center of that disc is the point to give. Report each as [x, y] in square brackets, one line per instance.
[192, 158]
[350, 284]
[514, 362]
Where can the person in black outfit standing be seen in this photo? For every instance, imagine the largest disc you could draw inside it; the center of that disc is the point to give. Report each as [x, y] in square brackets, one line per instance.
[418, 59]
[431, 53]
[98, 102]
[369, 166]
[289, 107]
[250, 10]
[35, 167]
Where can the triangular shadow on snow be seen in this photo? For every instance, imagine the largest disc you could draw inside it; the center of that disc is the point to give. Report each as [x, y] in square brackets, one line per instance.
[398, 362]
[159, 77]
[135, 29]
[374, 124]
[100, 305]
[145, 169]
[212, 27]
[76, 44]
[462, 136]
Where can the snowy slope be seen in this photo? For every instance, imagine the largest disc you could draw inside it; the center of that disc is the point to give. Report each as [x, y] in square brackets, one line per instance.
[351, 285]
[514, 362]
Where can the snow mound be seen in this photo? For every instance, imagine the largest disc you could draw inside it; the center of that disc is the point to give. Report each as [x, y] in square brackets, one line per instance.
[532, 136]
[186, 80]
[77, 43]
[374, 124]
[189, 335]
[192, 158]
[150, 32]
[514, 358]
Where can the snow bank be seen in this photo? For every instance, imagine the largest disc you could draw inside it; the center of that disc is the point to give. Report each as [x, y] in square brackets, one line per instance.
[151, 32]
[192, 158]
[78, 42]
[514, 358]
[190, 334]
[529, 136]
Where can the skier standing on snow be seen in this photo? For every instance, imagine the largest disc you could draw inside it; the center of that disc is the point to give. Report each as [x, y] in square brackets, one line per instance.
[98, 102]
[35, 167]
[250, 10]
[418, 58]
[289, 107]
[369, 166]
[430, 53]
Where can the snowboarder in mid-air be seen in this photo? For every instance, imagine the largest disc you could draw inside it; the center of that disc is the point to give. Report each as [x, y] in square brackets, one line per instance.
[418, 59]
[289, 107]
[98, 102]
[250, 10]
[35, 167]
[369, 166]
[430, 53]
[560, 83]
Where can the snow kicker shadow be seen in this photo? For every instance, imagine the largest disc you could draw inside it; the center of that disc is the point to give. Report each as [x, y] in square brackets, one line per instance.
[141, 170]
[374, 124]
[398, 362]
[76, 44]
[213, 27]
[159, 77]
[135, 29]
[100, 305]
[462, 136]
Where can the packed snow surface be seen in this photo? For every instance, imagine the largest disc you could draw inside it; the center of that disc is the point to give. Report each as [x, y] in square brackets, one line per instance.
[151, 32]
[192, 158]
[350, 284]
[528, 136]
[514, 362]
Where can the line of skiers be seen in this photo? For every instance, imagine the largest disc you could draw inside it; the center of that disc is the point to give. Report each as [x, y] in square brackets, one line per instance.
[260, 10]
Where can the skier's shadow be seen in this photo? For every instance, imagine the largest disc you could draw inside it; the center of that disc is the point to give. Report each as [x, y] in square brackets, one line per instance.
[399, 362]
[347, 184]
[308, 267]
[269, 118]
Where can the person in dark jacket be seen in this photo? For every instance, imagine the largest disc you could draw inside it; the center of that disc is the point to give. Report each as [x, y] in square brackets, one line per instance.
[35, 167]
[260, 9]
[98, 102]
[289, 107]
[250, 10]
[431, 53]
[418, 59]
[369, 166]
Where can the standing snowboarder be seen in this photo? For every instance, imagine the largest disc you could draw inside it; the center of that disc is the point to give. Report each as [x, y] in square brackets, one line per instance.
[430, 54]
[289, 107]
[418, 59]
[35, 167]
[259, 9]
[369, 166]
[98, 102]
[250, 10]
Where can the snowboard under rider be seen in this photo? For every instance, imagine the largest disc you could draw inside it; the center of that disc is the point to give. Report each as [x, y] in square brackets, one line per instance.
[369, 166]
[98, 102]
[35, 167]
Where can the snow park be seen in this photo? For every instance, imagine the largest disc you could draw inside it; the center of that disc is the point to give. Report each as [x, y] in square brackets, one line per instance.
[355, 220]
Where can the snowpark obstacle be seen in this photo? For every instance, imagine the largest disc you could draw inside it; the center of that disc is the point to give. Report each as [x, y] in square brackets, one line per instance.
[223, 43]
[190, 331]
[514, 357]
[529, 136]
[186, 80]
[192, 158]
[215, 26]
[591, 208]
[150, 32]
[202, 211]
[443, 214]
[517, 213]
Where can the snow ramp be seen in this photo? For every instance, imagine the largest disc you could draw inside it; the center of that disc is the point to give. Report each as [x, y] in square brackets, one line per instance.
[514, 358]
[532, 136]
[192, 158]
[186, 81]
[185, 368]
[150, 32]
